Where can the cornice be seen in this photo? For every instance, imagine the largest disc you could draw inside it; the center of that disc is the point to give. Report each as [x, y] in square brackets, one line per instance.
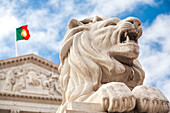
[27, 58]
[26, 96]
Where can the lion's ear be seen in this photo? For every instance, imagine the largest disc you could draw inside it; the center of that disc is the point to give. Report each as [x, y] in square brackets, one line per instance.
[74, 23]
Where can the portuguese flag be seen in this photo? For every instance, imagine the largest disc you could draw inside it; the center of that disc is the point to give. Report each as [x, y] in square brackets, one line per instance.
[22, 33]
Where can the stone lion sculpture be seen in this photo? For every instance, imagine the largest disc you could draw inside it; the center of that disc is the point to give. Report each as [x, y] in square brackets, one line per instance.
[99, 65]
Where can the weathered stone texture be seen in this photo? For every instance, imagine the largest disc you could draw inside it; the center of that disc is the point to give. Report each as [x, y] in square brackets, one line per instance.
[99, 65]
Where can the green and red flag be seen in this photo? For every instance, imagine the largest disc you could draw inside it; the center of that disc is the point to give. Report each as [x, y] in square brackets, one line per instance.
[22, 33]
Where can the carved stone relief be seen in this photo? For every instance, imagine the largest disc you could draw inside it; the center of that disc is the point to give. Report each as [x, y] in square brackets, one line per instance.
[2, 75]
[30, 78]
[52, 85]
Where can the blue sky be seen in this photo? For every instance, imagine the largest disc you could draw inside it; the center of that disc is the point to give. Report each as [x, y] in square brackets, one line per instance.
[47, 21]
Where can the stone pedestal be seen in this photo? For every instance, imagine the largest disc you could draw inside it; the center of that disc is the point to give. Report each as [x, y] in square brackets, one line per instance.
[80, 107]
[74, 111]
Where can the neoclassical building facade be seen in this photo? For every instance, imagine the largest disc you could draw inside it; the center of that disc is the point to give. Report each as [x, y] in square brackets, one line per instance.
[29, 84]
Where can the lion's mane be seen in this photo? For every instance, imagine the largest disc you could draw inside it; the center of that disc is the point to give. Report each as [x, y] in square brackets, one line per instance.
[82, 65]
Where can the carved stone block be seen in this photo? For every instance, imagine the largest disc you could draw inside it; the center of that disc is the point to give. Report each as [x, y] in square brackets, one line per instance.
[88, 107]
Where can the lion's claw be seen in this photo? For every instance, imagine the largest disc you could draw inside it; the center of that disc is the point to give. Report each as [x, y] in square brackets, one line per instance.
[105, 103]
[117, 97]
[150, 100]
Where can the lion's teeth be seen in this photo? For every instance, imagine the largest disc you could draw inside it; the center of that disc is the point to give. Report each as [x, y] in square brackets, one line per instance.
[127, 39]
[125, 35]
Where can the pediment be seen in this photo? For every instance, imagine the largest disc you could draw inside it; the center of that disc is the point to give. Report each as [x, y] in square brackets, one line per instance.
[29, 75]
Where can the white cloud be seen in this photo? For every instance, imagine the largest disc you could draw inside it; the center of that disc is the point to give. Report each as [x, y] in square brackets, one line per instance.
[47, 23]
[115, 7]
[90, 8]
[45, 26]
[8, 23]
[164, 86]
[44, 29]
[155, 59]
[54, 3]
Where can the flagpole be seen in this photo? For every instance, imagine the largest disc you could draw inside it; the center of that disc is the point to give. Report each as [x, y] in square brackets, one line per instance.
[16, 45]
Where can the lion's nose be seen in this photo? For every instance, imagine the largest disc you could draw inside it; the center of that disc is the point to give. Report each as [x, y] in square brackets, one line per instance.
[135, 21]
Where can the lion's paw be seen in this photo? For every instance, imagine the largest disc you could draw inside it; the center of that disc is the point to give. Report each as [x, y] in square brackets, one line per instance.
[116, 97]
[150, 100]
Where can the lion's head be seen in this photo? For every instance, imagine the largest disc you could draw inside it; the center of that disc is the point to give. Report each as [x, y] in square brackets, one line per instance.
[97, 51]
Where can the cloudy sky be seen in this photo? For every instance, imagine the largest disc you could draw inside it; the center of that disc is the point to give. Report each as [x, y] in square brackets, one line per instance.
[47, 23]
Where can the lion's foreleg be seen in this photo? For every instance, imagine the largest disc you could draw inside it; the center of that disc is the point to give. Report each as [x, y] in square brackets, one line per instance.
[150, 100]
[114, 97]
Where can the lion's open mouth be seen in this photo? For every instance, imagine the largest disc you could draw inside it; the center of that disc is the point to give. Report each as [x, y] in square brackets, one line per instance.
[131, 35]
